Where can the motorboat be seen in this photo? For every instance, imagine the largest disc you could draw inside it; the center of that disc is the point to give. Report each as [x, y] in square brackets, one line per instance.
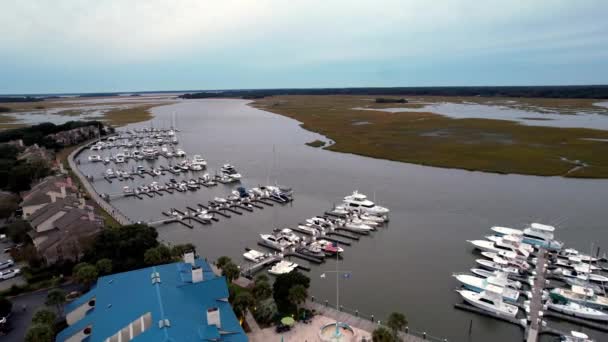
[275, 242]
[542, 235]
[127, 190]
[110, 173]
[575, 336]
[584, 283]
[282, 267]
[95, 158]
[180, 153]
[220, 200]
[371, 218]
[575, 261]
[106, 160]
[228, 169]
[497, 264]
[501, 231]
[577, 310]
[193, 185]
[255, 256]
[477, 284]
[511, 257]
[176, 169]
[582, 274]
[198, 160]
[157, 172]
[511, 240]
[184, 166]
[196, 167]
[309, 229]
[205, 215]
[358, 225]
[288, 234]
[329, 247]
[359, 202]
[490, 300]
[312, 250]
[225, 178]
[505, 243]
[582, 295]
[571, 252]
[485, 274]
[119, 159]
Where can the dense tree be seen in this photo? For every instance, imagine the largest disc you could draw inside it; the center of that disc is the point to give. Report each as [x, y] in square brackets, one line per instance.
[125, 246]
[261, 290]
[44, 316]
[158, 255]
[178, 251]
[221, 261]
[5, 307]
[281, 287]
[85, 274]
[104, 266]
[243, 302]
[382, 334]
[396, 322]
[231, 271]
[297, 295]
[56, 297]
[265, 311]
[17, 231]
[40, 333]
[261, 278]
[8, 204]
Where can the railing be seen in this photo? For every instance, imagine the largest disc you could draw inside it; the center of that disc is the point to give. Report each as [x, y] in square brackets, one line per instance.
[406, 334]
[111, 210]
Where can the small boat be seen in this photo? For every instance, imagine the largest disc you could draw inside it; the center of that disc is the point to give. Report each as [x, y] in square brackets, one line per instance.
[176, 169]
[127, 190]
[198, 160]
[180, 153]
[477, 284]
[501, 231]
[501, 244]
[577, 310]
[372, 218]
[542, 235]
[282, 267]
[511, 257]
[582, 295]
[497, 264]
[220, 200]
[576, 262]
[490, 300]
[205, 215]
[329, 247]
[193, 185]
[228, 169]
[312, 250]
[110, 173]
[196, 167]
[288, 234]
[571, 252]
[95, 158]
[224, 178]
[582, 274]
[309, 229]
[119, 159]
[157, 172]
[575, 336]
[584, 283]
[255, 256]
[485, 274]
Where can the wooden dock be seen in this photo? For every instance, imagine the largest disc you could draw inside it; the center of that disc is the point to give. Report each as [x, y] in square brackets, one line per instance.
[536, 303]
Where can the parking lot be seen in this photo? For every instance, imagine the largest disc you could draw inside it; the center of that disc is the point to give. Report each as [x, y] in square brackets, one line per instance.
[18, 280]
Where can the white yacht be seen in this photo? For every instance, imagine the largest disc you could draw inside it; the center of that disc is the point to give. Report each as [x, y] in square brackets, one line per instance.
[511, 257]
[282, 267]
[485, 274]
[329, 247]
[582, 273]
[357, 225]
[576, 336]
[198, 160]
[276, 242]
[500, 231]
[490, 300]
[127, 190]
[477, 284]
[255, 256]
[577, 310]
[310, 229]
[196, 167]
[288, 234]
[542, 235]
[95, 158]
[581, 295]
[205, 215]
[502, 244]
[157, 172]
[110, 173]
[371, 218]
[497, 264]
[359, 202]
[571, 252]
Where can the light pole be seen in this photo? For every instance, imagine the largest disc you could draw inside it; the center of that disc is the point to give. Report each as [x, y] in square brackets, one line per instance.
[338, 272]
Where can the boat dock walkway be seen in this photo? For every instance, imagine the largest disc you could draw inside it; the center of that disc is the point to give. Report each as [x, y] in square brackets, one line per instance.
[356, 321]
[536, 302]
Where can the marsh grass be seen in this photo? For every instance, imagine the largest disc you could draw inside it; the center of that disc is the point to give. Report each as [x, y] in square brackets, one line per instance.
[473, 144]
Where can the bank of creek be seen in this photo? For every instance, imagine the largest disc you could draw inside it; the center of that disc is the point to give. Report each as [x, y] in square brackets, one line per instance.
[406, 266]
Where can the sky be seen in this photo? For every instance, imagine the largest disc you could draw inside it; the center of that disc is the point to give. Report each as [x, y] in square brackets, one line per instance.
[65, 46]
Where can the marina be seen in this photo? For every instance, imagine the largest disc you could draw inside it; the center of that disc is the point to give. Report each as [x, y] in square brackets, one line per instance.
[425, 214]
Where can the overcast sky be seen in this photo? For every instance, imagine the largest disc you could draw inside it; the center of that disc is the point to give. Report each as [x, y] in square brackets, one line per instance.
[119, 45]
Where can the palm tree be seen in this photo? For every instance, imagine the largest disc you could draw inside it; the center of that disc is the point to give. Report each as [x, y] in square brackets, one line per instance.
[397, 322]
[297, 295]
[231, 271]
[223, 260]
[261, 290]
[242, 302]
[56, 297]
[381, 334]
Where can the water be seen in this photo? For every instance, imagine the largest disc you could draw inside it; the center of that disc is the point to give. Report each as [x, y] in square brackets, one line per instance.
[406, 266]
[584, 119]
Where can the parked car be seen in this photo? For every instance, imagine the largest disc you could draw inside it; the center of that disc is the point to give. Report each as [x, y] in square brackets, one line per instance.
[6, 264]
[9, 274]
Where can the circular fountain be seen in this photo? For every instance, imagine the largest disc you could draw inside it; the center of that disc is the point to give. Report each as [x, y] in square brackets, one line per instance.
[343, 333]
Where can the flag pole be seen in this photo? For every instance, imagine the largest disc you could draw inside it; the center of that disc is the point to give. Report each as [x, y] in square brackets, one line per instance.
[337, 292]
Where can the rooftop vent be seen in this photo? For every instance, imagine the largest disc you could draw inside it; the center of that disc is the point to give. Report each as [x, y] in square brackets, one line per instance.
[197, 274]
[189, 258]
[213, 317]
[155, 278]
[164, 323]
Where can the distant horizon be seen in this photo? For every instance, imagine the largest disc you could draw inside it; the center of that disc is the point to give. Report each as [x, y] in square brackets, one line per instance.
[65, 46]
[182, 91]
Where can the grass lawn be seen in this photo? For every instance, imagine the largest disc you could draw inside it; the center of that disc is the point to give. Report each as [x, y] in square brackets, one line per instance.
[430, 139]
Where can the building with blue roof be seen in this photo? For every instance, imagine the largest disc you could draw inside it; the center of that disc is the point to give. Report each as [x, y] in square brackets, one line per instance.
[183, 301]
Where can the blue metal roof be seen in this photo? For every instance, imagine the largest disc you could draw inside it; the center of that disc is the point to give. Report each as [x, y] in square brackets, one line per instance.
[124, 297]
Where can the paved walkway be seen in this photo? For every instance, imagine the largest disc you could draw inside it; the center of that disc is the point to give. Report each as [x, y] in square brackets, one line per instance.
[115, 213]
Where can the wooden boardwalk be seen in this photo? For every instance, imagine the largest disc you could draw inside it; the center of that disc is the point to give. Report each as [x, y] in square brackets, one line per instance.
[115, 213]
[536, 303]
[355, 321]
